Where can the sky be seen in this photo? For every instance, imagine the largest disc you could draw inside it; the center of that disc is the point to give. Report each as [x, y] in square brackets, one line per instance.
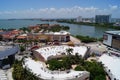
[58, 8]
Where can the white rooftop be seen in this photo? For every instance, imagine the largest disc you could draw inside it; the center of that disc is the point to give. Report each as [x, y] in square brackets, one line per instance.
[58, 50]
[23, 35]
[3, 48]
[59, 33]
[114, 32]
[111, 63]
[38, 68]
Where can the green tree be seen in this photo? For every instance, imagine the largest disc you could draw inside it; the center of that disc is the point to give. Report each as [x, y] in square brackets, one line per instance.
[22, 48]
[66, 62]
[55, 64]
[69, 51]
[95, 70]
[79, 68]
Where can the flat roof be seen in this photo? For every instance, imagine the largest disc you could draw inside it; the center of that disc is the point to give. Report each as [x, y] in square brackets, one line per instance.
[3, 48]
[4, 32]
[111, 63]
[58, 50]
[58, 33]
[113, 32]
[41, 71]
[8, 50]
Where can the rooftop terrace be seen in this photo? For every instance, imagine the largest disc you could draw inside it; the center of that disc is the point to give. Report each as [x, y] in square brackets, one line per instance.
[59, 50]
[38, 68]
[112, 65]
[113, 32]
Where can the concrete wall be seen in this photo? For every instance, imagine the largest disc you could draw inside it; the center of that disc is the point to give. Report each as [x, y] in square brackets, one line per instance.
[38, 56]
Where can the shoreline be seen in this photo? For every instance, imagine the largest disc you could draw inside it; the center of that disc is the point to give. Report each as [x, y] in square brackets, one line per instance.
[92, 24]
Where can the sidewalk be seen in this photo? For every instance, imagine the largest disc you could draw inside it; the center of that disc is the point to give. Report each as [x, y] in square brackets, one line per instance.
[75, 40]
[97, 47]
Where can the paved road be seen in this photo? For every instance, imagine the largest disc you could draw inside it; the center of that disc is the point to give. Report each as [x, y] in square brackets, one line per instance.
[75, 40]
[97, 47]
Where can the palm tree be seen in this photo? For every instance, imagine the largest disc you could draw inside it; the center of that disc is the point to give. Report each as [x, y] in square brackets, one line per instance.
[69, 51]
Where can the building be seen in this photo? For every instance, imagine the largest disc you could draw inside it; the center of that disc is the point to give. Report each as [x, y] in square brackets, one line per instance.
[46, 53]
[115, 20]
[61, 36]
[7, 54]
[112, 39]
[88, 20]
[22, 37]
[9, 35]
[79, 19]
[1, 35]
[111, 64]
[103, 18]
[39, 69]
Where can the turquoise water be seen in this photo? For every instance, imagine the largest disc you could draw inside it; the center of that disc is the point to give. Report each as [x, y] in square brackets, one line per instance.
[74, 28]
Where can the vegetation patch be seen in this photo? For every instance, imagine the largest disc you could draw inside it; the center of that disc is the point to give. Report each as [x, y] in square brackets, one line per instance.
[96, 69]
[107, 25]
[59, 28]
[86, 39]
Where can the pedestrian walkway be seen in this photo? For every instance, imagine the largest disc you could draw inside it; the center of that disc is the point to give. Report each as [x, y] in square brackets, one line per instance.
[3, 75]
[75, 40]
[97, 47]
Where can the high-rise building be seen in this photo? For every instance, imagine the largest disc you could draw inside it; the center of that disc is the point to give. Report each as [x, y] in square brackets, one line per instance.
[103, 18]
[79, 19]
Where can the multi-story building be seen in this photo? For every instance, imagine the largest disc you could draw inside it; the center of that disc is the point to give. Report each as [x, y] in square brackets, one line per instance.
[103, 18]
[110, 59]
[9, 35]
[61, 36]
[79, 19]
[115, 20]
[112, 39]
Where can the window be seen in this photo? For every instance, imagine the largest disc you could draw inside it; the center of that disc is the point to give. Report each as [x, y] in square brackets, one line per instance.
[105, 37]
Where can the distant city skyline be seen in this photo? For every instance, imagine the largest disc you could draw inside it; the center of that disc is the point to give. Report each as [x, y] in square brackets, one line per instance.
[58, 8]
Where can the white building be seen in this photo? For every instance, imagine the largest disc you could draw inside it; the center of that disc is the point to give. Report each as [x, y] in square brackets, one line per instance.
[79, 19]
[111, 63]
[112, 39]
[43, 54]
[37, 68]
[61, 36]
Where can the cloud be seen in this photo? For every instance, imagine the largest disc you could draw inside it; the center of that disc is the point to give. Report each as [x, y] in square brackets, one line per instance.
[58, 12]
[113, 7]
